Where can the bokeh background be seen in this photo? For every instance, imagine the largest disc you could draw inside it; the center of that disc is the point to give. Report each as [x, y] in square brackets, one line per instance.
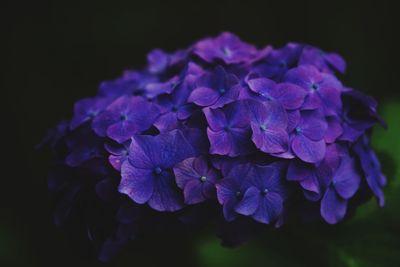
[58, 51]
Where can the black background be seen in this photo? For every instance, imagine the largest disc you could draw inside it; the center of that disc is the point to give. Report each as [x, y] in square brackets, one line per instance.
[57, 52]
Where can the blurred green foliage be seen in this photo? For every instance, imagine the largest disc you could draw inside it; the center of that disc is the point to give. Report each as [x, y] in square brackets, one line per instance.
[369, 239]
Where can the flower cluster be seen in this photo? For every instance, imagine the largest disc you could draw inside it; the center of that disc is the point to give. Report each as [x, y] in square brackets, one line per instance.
[261, 133]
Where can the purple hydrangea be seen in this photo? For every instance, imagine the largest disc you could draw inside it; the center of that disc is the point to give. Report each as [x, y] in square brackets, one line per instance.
[221, 129]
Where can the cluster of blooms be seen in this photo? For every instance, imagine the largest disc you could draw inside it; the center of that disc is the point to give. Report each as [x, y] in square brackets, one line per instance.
[267, 134]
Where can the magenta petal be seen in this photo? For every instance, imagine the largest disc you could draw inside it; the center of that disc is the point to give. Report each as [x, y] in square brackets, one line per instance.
[308, 150]
[333, 207]
[249, 203]
[204, 96]
[138, 184]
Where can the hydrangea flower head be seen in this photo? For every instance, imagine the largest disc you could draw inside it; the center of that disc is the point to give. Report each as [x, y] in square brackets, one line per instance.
[219, 131]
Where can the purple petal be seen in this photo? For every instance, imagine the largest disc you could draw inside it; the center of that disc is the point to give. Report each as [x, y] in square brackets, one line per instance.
[312, 101]
[269, 209]
[216, 119]
[262, 86]
[289, 95]
[298, 171]
[221, 142]
[346, 180]
[270, 141]
[166, 196]
[312, 125]
[330, 97]
[334, 129]
[204, 96]
[167, 122]
[138, 184]
[116, 161]
[333, 207]
[163, 150]
[193, 192]
[122, 131]
[249, 203]
[336, 61]
[157, 61]
[270, 115]
[308, 150]
[231, 95]
[228, 209]
[293, 120]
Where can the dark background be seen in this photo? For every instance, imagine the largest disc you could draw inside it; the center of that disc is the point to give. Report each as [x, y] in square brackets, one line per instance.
[58, 51]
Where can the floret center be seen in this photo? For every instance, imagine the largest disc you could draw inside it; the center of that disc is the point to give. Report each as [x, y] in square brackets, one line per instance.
[203, 179]
[265, 192]
[315, 86]
[157, 170]
[123, 117]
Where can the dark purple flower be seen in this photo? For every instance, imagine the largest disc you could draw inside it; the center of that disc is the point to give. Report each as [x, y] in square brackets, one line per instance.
[315, 178]
[226, 47]
[325, 62]
[147, 175]
[272, 133]
[308, 142]
[87, 109]
[268, 122]
[174, 108]
[263, 200]
[228, 130]
[231, 189]
[83, 145]
[197, 179]
[323, 89]
[359, 113]
[279, 61]
[343, 186]
[126, 116]
[371, 168]
[215, 89]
